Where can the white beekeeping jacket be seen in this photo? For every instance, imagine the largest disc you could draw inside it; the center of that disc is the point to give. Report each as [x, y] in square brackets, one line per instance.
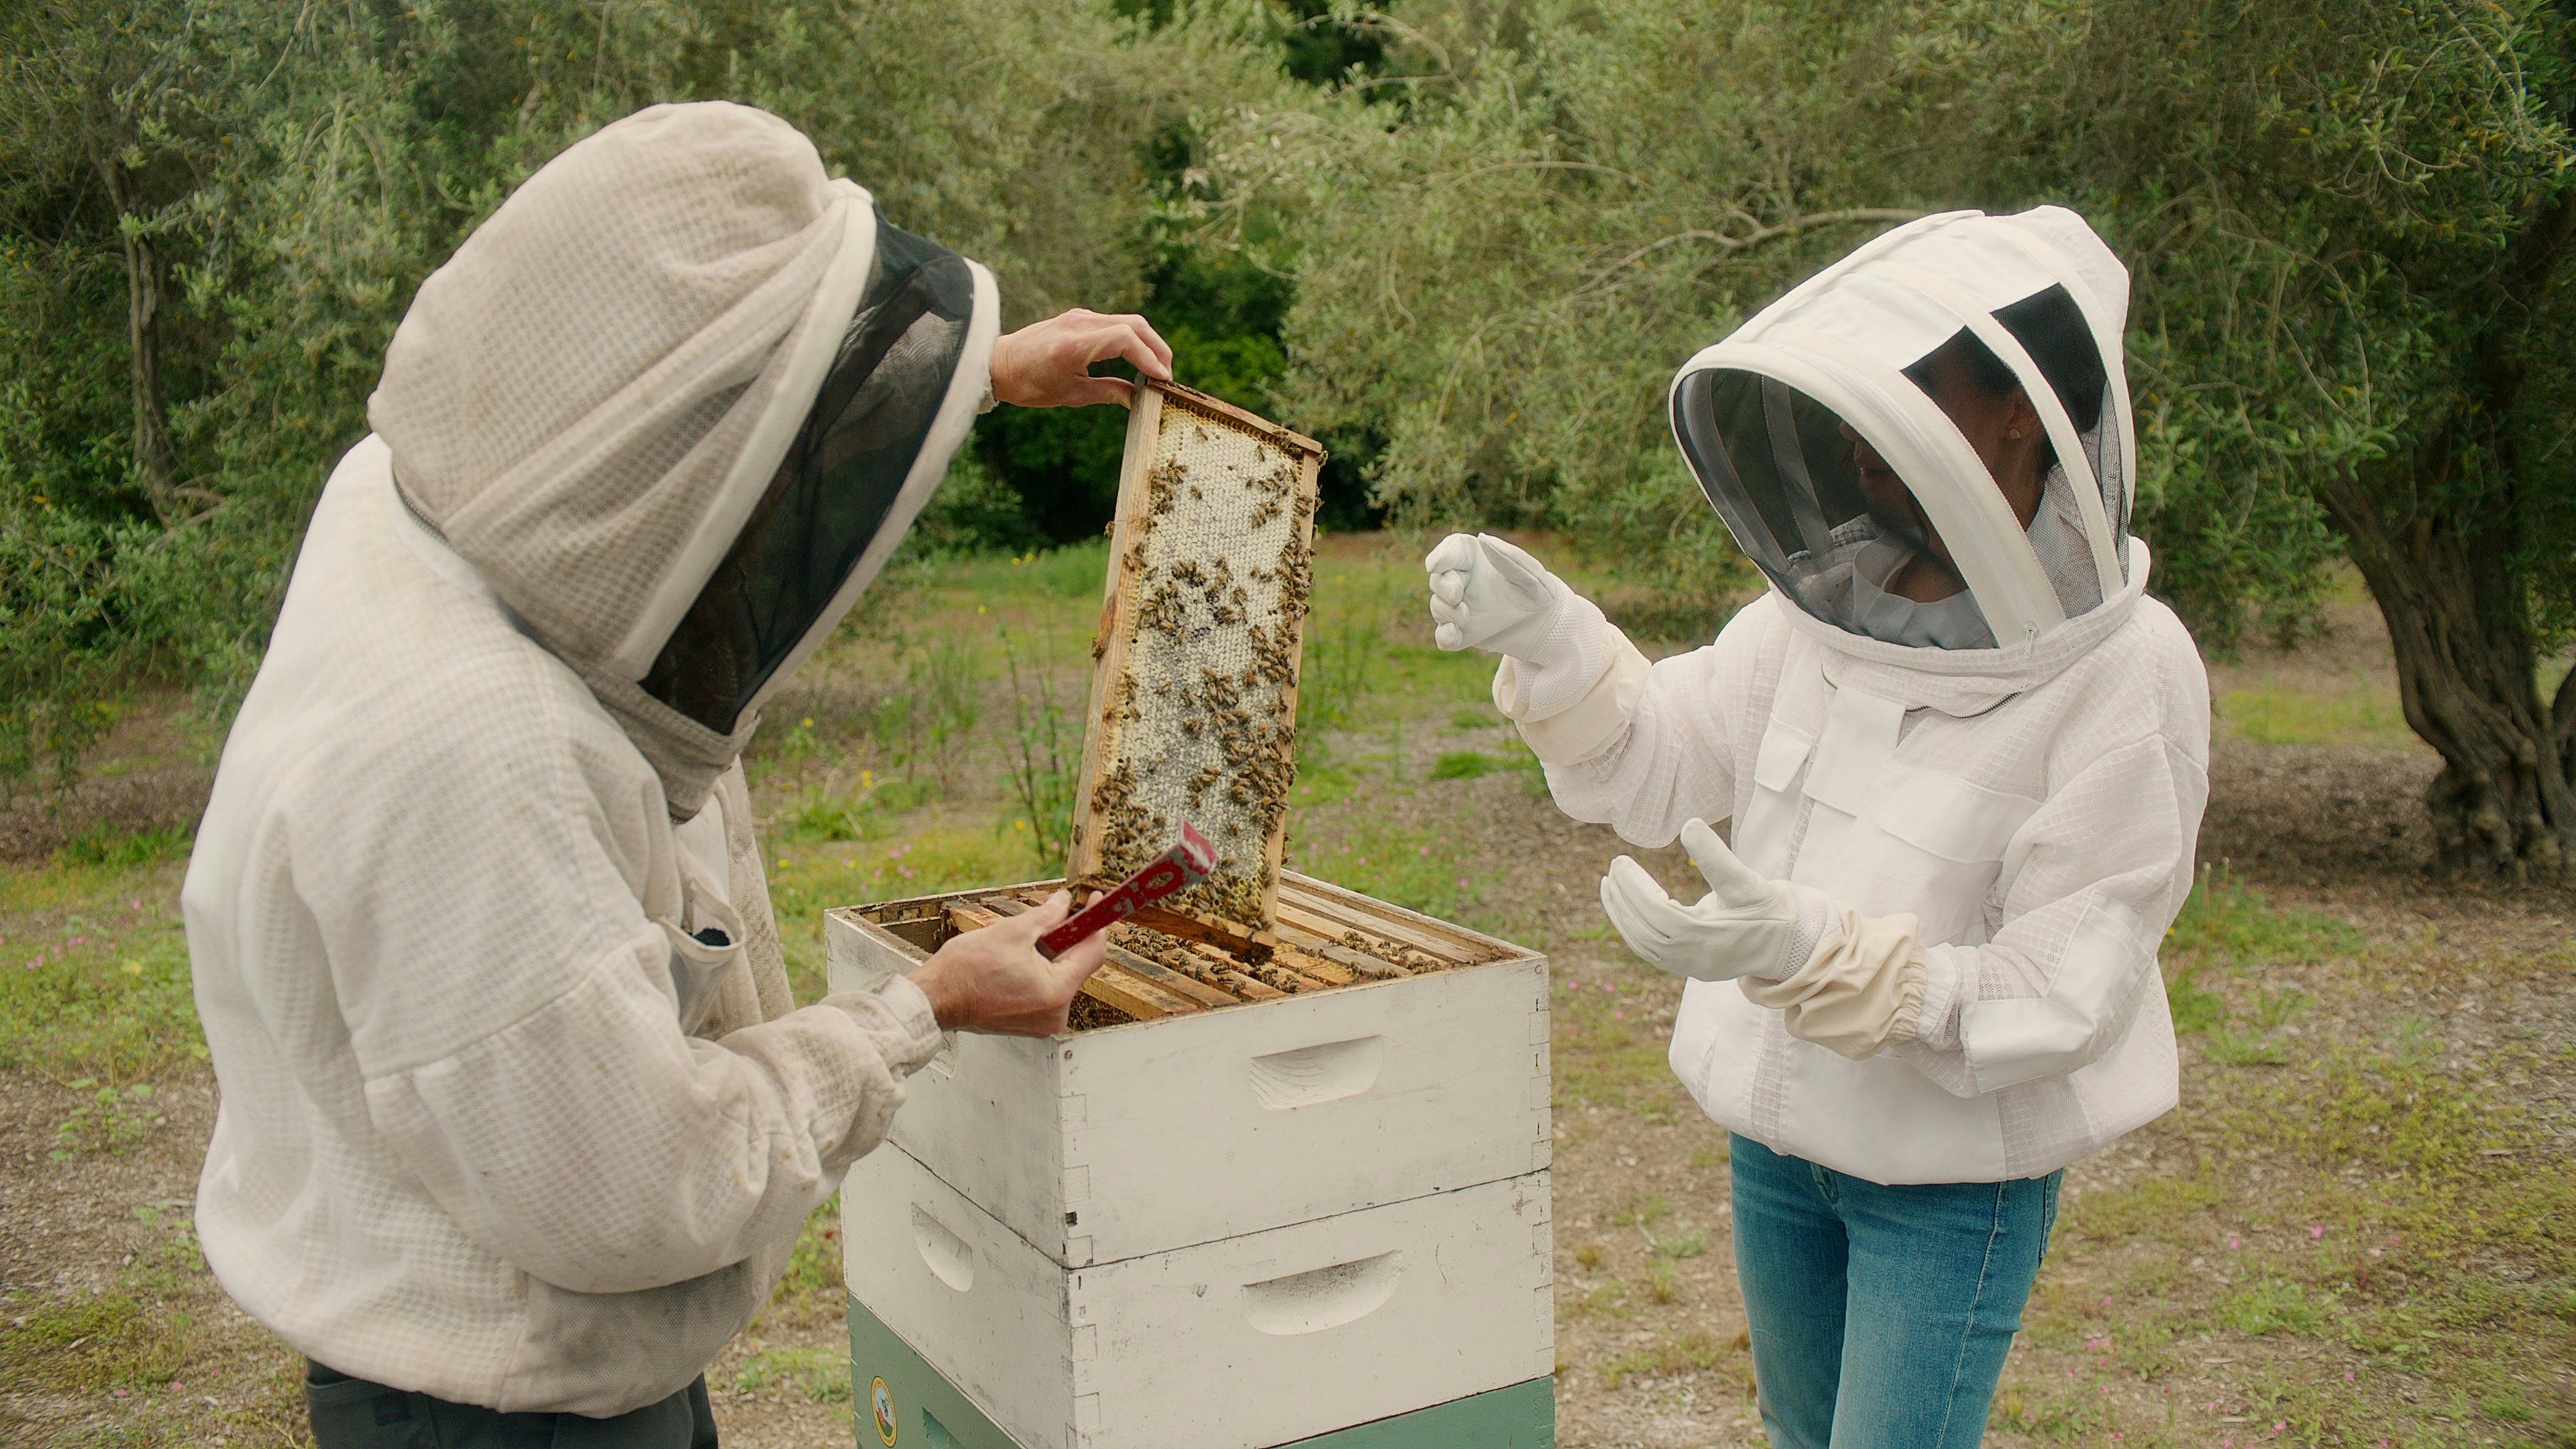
[2033, 802]
[516, 1111]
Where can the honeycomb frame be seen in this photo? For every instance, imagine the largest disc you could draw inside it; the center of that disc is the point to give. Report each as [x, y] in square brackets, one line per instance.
[1193, 709]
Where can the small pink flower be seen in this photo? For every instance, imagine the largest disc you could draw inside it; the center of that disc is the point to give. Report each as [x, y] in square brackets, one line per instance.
[120, 1393]
[2279, 1424]
[2316, 1230]
[2233, 1243]
[2347, 1376]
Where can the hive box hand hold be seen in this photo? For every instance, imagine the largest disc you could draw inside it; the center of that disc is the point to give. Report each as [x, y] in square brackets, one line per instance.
[1194, 700]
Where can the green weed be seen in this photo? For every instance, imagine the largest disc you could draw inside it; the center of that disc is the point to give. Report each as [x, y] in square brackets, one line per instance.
[821, 1374]
[95, 1341]
[1644, 1209]
[2275, 1306]
[1692, 1352]
[2195, 1007]
[1465, 765]
[2052, 1417]
[96, 845]
[2221, 920]
[1418, 869]
[107, 999]
[1040, 759]
[112, 1120]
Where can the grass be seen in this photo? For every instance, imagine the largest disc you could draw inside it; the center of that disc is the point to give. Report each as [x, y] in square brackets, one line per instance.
[94, 986]
[2381, 1218]
[2389, 1205]
[2362, 715]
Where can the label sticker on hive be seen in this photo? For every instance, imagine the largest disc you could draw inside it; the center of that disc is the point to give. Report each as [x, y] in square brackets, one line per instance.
[1194, 703]
[881, 1403]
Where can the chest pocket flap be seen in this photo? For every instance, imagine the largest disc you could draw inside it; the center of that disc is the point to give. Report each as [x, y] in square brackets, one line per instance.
[1948, 817]
[1784, 753]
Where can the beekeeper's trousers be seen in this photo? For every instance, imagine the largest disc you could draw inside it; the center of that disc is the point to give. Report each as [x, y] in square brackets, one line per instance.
[1880, 1316]
[355, 1414]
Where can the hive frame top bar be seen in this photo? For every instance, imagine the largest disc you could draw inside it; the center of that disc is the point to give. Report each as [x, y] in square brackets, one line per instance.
[1190, 397]
[1193, 702]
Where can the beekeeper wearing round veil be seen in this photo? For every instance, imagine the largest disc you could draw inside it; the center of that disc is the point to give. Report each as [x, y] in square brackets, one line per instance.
[517, 1117]
[1965, 757]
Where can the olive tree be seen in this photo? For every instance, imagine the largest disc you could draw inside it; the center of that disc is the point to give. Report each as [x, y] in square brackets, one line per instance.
[2347, 226]
[2352, 228]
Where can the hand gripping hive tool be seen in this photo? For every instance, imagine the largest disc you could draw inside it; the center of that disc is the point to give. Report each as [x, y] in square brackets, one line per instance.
[1184, 865]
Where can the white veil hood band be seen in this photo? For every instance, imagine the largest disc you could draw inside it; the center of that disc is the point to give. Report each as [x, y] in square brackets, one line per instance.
[1838, 358]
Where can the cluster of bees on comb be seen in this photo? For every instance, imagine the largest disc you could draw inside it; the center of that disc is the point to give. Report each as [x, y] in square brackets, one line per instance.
[1205, 713]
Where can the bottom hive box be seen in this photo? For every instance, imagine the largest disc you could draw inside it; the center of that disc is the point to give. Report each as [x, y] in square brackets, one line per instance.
[1342, 1331]
[904, 1402]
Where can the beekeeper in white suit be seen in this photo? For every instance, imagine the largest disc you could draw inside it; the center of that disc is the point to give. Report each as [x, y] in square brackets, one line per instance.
[1965, 757]
[517, 1120]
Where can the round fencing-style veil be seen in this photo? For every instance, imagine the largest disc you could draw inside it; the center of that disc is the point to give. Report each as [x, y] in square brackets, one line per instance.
[677, 401]
[1813, 434]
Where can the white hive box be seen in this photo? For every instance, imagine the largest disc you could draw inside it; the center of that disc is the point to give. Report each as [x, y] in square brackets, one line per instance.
[1233, 1225]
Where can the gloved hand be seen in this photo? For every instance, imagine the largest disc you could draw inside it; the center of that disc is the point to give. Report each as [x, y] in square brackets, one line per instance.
[1488, 594]
[1744, 926]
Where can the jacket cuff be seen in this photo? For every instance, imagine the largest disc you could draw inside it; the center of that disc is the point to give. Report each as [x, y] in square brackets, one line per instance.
[1934, 1019]
[897, 1013]
[1595, 719]
[1864, 979]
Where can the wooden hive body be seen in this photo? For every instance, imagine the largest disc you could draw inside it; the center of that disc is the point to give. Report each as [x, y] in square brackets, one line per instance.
[1287, 1176]
[1233, 1226]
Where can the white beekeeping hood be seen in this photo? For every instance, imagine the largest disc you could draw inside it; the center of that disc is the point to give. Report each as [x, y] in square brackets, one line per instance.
[1769, 419]
[677, 400]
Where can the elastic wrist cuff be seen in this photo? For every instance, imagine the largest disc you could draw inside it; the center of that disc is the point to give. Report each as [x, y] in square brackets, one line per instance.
[909, 1006]
[1596, 718]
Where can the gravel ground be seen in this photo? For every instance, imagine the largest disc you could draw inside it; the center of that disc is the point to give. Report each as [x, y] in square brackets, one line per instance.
[2337, 829]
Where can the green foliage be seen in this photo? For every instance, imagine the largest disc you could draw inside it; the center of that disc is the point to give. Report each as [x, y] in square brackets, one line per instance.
[1041, 761]
[293, 173]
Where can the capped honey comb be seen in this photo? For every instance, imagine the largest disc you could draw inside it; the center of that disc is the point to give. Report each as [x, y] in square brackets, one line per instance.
[1194, 698]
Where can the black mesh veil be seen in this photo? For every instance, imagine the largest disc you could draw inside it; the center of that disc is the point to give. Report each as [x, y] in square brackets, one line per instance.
[836, 489]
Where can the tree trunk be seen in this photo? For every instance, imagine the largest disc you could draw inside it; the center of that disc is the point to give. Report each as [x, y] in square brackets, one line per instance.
[2467, 675]
[2458, 603]
[143, 286]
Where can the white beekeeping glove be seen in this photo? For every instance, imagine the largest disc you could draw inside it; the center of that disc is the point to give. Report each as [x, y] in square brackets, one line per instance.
[1489, 594]
[1744, 926]
[1568, 679]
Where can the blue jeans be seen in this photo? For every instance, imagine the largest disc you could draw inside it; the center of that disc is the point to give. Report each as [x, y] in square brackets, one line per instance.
[1881, 1315]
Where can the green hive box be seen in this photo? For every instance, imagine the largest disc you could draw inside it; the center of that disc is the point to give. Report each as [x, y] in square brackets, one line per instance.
[903, 1403]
